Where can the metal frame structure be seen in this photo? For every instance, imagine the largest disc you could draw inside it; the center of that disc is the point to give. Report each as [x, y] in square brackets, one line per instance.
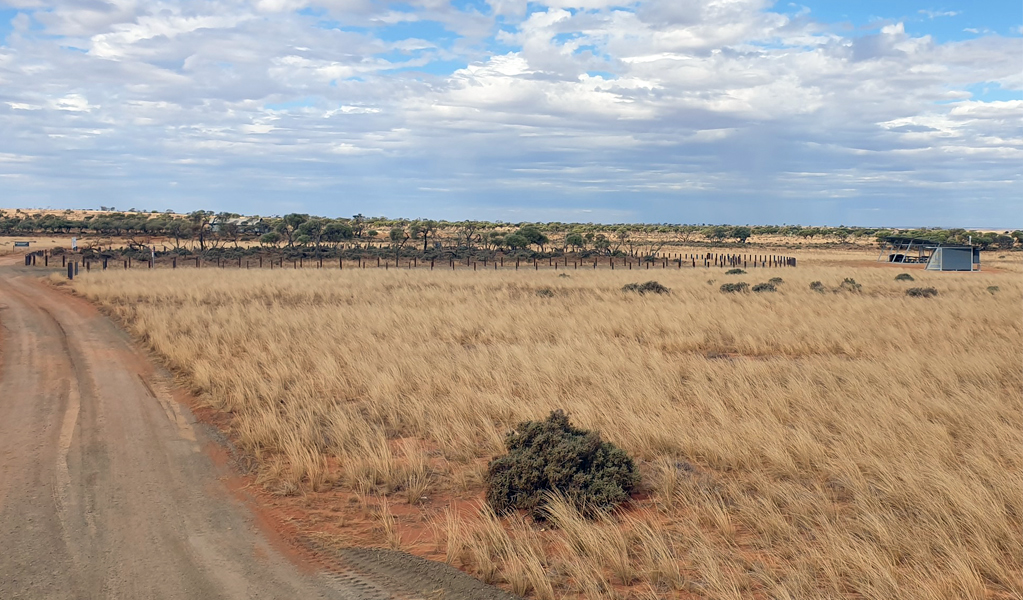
[923, 251]
[900, 249]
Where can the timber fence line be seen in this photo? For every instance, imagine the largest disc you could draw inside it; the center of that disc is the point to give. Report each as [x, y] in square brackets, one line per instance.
[707, 260]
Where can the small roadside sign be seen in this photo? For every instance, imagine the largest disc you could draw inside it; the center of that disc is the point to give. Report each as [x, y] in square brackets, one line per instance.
[21, 244]
[74, 244]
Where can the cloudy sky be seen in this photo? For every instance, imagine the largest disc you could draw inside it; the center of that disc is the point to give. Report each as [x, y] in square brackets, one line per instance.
[683, 111]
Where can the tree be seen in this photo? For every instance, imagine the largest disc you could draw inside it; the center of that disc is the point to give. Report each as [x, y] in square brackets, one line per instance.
[336, 232]
[1004, 242]
[466, 233]
[179, 229]
[532, 235]
[312, 229]
[272, 239]
[423, 229]
[289, 224]
[492, 240]
[358, 223]
[716, 233]
[200, 221]
[575, 240]
[741, 233]
[228, 230]
[516, 241]
[398, 238]
[602, 244]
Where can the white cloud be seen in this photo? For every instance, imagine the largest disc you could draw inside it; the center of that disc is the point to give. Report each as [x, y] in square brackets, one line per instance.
[649, 102]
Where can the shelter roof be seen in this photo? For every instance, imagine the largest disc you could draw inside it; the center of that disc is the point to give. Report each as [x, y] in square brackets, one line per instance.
[896, 239]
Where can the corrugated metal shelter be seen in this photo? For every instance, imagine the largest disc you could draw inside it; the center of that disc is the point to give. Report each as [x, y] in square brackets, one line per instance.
[954, 258]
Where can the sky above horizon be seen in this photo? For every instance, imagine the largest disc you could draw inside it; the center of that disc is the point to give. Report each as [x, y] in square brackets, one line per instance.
[729, 111]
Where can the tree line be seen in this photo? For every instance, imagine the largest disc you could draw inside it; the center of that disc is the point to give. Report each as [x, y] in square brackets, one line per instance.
[205, 230]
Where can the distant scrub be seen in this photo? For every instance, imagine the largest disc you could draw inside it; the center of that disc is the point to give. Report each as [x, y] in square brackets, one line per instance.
[731, 288]
[992, 289]
[735, 272]
[545, 292]
[776, 280]
[818, 287]
[765, 287]
[641, 288]
[849, 284]
[927, 292]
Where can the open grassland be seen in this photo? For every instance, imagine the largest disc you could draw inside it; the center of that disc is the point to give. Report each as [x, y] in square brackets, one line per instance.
[793, 444]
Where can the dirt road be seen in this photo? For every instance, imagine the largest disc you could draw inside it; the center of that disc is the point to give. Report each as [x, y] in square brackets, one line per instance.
[106, 490]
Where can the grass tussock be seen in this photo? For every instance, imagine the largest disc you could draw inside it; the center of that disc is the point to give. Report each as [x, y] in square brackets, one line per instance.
[793, 444]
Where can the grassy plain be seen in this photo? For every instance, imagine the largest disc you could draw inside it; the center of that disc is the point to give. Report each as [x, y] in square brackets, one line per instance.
[793, 444]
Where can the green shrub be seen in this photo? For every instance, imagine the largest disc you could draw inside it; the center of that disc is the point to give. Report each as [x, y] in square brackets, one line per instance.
[765, 287]
[992, 289]
[776, 280]
[849, 284]
[735, 272]
[642, 288]
[545, 293]
[731, 288]
[904, 277]
[922, 292]
[818, 287]
[554, 456]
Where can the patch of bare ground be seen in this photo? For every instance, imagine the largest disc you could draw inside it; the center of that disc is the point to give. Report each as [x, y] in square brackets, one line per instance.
[794, 444]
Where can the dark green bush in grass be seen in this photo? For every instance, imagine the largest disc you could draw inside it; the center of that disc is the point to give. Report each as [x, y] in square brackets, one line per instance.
[818, 287]
[849, 284]
[927, 292]
[732, 288]
[764, 287]
[992, 289]
[776, 280]
[554, 456]
[735, 272]
[904, 277]
[642, 288]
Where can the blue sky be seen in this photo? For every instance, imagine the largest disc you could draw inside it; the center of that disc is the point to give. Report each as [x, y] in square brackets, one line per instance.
[720, 111]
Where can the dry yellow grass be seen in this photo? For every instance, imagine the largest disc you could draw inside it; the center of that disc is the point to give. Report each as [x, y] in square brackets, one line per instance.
[796, 444]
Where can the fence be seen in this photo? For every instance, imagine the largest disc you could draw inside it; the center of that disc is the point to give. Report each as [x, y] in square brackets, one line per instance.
[707, 260]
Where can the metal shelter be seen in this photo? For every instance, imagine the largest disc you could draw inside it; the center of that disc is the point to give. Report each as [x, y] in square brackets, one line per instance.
[937, 257]
[954, 258]
[907, 249]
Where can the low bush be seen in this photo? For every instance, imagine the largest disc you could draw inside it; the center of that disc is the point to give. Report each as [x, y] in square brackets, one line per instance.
[642, 288]
[818, 287]
[553, 456]
[904, 277]
[927, 292]
[735, 272]
[849, 284]
[776, 280]
[765, 287]
[992, 289]
[545, 293]
[731, 288]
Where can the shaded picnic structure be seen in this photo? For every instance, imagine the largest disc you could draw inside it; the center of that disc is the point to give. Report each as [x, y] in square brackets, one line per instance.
[935, 255]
